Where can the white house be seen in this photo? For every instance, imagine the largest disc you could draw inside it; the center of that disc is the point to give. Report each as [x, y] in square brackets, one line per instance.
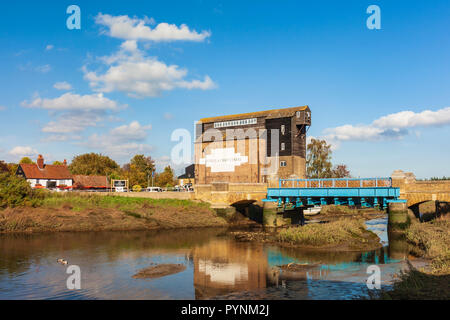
[48, 176]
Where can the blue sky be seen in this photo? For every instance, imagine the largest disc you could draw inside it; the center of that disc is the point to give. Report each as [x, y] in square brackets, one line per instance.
[126, 80]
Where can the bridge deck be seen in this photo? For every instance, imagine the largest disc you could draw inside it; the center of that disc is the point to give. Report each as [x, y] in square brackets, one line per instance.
[370, 192]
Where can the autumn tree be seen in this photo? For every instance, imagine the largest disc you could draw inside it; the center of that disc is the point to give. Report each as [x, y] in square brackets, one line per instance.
[166, 178]
[93, 164]
[340, 171]
[3, 167]
[318, 159]
[139, 170]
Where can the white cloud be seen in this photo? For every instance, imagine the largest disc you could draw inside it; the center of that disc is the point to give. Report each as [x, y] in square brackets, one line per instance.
[71, 101]
[124, 27]
[62, 85]
[133, 131]
[43, 69]
[392, 126]
[49, 47]
[21, 151]
[130, 71]
[61, 138]
[410, 119]
[122, 142]
[72, 122]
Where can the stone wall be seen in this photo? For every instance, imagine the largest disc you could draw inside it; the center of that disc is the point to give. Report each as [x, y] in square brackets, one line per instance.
[419, 191]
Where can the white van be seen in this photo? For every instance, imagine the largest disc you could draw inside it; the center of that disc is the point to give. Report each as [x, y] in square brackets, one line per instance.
[154, 189]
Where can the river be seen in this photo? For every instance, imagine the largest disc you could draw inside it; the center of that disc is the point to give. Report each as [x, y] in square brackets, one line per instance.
[217, 266]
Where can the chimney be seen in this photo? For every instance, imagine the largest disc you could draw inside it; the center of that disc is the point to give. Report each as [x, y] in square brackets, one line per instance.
[40, 162]
[65, 162]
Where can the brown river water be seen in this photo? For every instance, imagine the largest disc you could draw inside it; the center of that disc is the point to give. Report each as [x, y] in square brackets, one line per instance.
[217, 266]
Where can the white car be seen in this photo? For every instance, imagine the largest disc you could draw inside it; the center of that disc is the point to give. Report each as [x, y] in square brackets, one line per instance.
[154, 189]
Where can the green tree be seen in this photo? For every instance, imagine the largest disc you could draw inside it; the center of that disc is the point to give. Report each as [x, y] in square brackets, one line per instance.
[318, 159]
[57, 163]
[26, 160]
[93, 164]
[166, 178]
[139, 170]
[14, 191]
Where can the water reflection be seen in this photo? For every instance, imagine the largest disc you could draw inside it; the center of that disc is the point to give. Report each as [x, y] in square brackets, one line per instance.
[216, 266]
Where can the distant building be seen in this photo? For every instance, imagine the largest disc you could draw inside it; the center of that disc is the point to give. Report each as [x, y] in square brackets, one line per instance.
[48, 176]
[256, 147]
[188, 176]
[81, 182]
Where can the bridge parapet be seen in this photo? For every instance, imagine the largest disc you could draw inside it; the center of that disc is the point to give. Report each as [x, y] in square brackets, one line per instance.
[416, 191]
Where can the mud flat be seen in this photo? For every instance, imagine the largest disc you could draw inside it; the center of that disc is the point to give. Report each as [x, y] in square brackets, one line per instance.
[158, 271]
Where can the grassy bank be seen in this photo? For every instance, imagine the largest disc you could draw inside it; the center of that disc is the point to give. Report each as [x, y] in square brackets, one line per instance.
[430, 240]
[345, 234]
[418, 285]
[83, 212]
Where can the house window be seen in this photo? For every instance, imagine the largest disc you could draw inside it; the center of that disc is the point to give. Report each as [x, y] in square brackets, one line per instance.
[297, 114]
[283, 164]
[283, 146]
[283, 129]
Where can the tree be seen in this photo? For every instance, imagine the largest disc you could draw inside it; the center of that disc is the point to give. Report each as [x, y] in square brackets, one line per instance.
[14, 191]
[139, 170]
[341, 171]
[57, 163]
[318, 159]
[165, 178]
[3, 167]
[93, 164]
[26, 160]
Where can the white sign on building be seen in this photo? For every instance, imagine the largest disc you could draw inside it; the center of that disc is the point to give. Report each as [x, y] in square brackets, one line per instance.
[223, 160]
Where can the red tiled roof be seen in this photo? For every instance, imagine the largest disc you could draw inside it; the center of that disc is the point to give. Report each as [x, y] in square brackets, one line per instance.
[50, 171]
[81, 181]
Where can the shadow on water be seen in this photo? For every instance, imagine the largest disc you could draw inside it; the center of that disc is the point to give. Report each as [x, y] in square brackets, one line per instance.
[216, 266]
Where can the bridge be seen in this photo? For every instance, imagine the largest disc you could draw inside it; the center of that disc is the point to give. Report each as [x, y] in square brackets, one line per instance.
[367, 192]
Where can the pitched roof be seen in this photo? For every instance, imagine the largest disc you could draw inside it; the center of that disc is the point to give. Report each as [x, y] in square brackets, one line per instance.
[81, 181]
[50, 171]
[275, 113]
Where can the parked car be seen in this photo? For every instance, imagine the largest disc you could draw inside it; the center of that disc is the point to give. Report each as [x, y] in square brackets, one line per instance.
[154, 189]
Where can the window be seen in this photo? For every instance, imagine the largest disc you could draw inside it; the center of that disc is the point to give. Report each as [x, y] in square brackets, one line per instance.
[297, 114]
[282, 163]
[283, 146]
[283, 129]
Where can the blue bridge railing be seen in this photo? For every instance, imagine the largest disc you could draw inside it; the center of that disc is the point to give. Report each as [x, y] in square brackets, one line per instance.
[364, 192]
[336, 183]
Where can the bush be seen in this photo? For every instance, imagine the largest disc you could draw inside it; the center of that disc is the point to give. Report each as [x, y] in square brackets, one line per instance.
[16, 191]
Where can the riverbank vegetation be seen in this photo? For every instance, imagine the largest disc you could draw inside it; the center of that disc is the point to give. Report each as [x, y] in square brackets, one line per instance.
[345, 234]
[429, 240]
[82, 212]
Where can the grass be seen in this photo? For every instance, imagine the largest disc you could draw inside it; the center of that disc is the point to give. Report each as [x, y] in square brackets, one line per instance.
[431, 240]
[416, 285]
[349, 233]
[87, 212]
[83, 201]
